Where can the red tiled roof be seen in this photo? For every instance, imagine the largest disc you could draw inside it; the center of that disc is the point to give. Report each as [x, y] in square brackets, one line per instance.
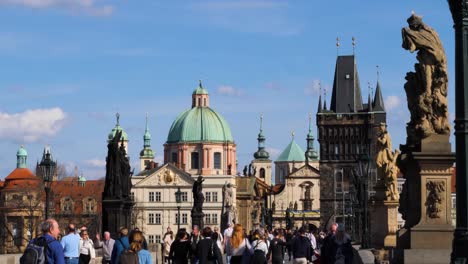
[2, 183]
[21, 178]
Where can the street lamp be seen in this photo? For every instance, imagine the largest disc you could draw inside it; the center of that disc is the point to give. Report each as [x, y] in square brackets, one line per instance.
[47, 168]
[178, 197]
[364, 165]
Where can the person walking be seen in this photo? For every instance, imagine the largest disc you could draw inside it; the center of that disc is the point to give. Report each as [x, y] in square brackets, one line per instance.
[50, 232]
[136, 247]
[194, 240]
[239, 246]
[276, 249]
[71, 245]
[167, 240]
[87, 252]
[207, 249]
[227, 238]
[327, 250]
[301, 248]
[180, 248]
[342, 249]
[107, 245]
[260, 247]
[120, 246]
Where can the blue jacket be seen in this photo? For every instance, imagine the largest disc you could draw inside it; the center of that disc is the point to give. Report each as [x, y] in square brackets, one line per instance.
[120, 245]
[54, 251]
[144, 257]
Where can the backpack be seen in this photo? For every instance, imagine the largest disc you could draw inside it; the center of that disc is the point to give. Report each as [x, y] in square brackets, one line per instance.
[129, 257]
[258, 256]
[36, 252]
[211, 253]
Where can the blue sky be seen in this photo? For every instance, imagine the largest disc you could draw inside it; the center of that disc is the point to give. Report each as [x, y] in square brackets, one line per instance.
[67, 66]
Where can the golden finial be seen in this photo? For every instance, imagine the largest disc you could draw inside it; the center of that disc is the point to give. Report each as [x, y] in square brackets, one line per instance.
[292, 134]
[118, 118]
[261, 121]
[337, 45]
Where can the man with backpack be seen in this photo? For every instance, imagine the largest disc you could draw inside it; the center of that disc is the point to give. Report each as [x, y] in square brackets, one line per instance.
[46, 248]
[122, 244]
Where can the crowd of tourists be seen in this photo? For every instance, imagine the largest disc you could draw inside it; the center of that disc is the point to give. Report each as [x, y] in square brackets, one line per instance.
[207, 246]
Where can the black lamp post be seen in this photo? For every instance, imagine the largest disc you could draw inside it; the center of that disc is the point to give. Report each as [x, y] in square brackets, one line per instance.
[459, 10]
[178, 197]
[364, 165]
[47, 168]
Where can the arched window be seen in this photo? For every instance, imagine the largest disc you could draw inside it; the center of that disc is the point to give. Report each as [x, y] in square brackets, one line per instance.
[195, 160]
[199, 101]
[66, 205]
[204, 101]
[217, 160]
[262, 173]
[89, 205]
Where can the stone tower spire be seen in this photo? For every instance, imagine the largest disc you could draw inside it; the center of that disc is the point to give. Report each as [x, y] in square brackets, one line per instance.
[261, 152]
[146, 154]
[310, 154]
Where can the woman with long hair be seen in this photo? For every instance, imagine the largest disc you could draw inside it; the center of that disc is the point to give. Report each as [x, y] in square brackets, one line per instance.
[238, 245]
[87, 252]
[136, 246]
[179, 253]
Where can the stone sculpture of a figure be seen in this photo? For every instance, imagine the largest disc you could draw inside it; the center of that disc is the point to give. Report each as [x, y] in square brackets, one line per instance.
[198, 197]
[228, 203]
[387, 171]
[113, 183]
[426, 88]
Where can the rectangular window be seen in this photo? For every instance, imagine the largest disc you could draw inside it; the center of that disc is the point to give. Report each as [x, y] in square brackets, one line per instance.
[151, 197]
[150, 218]
[132, 196]
[157, 238]
[214, 219]
[214, 196]
[217, 160]
[194, 160]
[174, 157]
[184, 197]
[176, 218]
[157, 219]
[157, 196]
[151, 239]
[339, 182]
[208, 197]
[184, 218]
[208, 219]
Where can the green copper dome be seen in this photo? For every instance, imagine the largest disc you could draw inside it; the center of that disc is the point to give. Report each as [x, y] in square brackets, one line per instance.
[292, 152]
[200, 124]
[200, 89]
[22, 152]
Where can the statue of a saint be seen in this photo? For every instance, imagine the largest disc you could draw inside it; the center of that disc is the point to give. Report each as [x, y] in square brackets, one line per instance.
[387, 170]
[426, 88]
[198, 197]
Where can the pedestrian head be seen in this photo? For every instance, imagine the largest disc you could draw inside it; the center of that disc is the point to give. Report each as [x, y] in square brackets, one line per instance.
[216, 229]
[195, 230]
[207, 232]
[237, 236]
[106, 235]
[182, 234]
[51, 227]
[84, 235]
[333, 228]
[137, 241]
[71, 228]
[123, 232]
[169, 229]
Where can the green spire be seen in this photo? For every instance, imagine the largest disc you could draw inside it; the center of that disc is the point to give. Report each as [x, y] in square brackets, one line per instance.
[147, 152]
[21, 158]
[310, 154]
[261, 152]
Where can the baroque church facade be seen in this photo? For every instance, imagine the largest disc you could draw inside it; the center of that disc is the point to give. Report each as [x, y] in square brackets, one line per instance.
[199, 143]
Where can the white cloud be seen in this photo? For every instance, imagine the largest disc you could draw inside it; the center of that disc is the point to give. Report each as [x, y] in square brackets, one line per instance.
[32, 125]
[273, 86]
[228, 90]
[95, 162]
[87, 7]
[393, 102]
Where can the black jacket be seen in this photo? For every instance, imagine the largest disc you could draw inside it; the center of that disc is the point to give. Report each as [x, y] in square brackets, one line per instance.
[276, 250]
[301, 247]
[208, 252]
[179, 253]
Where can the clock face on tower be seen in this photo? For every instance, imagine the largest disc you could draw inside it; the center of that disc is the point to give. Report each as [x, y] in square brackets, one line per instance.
[168, 176]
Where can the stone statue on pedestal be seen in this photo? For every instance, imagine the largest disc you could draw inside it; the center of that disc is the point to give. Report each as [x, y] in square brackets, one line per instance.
[198, 200]
[387, 170]
[229, 212]
[426, 88]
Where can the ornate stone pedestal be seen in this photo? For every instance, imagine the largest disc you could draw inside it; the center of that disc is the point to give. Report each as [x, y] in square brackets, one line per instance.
[384, 222]
[115, 215]
[425, 201]
[197, 219]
